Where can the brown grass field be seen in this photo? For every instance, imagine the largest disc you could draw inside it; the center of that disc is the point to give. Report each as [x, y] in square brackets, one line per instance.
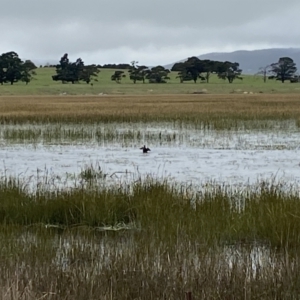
[148, 107]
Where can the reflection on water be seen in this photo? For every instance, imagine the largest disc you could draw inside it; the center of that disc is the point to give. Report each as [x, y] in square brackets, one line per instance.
[180, 153]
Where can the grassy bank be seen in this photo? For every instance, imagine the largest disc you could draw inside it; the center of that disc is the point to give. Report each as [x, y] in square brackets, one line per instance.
[147, 241]
[44, 85]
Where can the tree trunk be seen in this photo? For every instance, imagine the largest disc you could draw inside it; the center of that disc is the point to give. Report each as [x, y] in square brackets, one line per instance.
[207, 77]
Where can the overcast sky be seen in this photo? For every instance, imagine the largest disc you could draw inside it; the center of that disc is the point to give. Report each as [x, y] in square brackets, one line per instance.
[149, 31]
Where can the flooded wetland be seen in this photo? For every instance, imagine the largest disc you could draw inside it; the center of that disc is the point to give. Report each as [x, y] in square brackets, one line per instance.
[212, 211]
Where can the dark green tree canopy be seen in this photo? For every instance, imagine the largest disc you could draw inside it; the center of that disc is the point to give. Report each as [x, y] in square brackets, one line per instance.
[28, 71]
[184, 76]
[88, 73]
[117, 76]
[284, 69]
[67, 71]
[115, 66]
[136, 72]
[157, 74]
[13, 69]
[228, 70]
[178, 67]
[194, 68]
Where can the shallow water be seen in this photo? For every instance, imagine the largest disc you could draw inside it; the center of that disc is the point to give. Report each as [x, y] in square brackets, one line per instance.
[177, 163]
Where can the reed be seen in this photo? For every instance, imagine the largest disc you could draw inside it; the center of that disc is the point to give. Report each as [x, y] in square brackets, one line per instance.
[217, 111]
[147, 241]
[268, 215]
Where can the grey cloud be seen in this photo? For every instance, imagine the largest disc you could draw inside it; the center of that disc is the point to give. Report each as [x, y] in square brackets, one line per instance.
[166, 13]
[119, 29]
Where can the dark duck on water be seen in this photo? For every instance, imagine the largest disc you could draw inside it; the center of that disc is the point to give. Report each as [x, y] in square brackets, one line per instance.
[145, 150]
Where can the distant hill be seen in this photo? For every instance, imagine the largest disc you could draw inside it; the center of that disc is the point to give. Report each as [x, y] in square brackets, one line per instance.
[251, 61]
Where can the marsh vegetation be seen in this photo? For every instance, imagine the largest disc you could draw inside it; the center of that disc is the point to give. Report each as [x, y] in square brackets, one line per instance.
[100, 234]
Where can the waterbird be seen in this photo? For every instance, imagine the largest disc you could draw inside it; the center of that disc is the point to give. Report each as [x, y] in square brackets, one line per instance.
[145, 150]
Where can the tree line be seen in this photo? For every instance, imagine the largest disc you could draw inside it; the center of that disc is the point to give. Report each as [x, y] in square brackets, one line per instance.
[13, 69]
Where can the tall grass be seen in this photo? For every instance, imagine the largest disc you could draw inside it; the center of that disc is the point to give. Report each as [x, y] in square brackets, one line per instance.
[268, 215]
[78, 244]
[208, 111]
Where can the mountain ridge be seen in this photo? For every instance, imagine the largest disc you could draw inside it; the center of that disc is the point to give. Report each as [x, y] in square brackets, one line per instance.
[252, 60]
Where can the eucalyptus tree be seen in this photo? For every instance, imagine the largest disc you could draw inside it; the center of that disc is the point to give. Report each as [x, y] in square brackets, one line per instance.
[284, 69]
[137, 73]
[193, 69]
[11, 67]
[184, 76]
[117, 76]
[67, 71]
[28, 71]
[158, 74]
[228, 70]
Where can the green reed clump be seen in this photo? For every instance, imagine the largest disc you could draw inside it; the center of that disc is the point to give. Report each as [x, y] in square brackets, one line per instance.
[219, 243]
[22, 134]
[80, 206]
[268, 216]
[273, 216]
[206, 120]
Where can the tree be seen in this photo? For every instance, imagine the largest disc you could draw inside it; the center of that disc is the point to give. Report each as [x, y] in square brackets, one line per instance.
[184, 76]
[2, 70]
[208, 68]
[228, 70]
[158, 75]
[284, 69]
[137, 73]
[117, 76]
[264, 71]
[194, 68]
[74, 72]
[89, 73]
[178, 67]
[29, 65]
[11, 67]
[28, 71]
[114, 66]
[63, 70]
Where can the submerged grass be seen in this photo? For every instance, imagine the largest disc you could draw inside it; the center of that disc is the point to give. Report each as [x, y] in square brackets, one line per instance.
[137, 133]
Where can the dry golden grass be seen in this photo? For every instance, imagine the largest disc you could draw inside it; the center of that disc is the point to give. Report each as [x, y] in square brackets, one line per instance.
[152, 107]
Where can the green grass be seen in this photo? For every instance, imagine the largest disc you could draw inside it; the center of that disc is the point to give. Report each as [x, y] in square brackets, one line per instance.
[155, 242]
[44, 85]
[267, 215]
